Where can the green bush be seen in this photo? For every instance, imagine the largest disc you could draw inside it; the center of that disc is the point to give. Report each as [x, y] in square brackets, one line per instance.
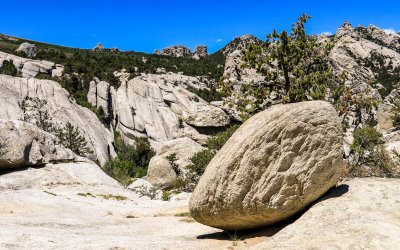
[8, 68]
[71, 138]
[201, 159]
[131, 162]
[369, 155]
[208, 95]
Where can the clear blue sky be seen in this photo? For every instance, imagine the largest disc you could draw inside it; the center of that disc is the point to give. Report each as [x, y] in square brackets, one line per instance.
[148, 25]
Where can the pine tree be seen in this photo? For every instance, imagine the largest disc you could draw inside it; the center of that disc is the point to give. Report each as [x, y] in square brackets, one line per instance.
[71, 138]
[295, 66]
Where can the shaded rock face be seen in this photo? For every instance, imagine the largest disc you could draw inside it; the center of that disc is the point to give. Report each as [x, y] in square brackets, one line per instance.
[60, 108]
[30, 68]
[272, 167]
[25, 145]
[200, 51]
[160, 172]
[29, 49]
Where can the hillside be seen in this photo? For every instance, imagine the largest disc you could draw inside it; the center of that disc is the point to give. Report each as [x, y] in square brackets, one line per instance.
[138, 148]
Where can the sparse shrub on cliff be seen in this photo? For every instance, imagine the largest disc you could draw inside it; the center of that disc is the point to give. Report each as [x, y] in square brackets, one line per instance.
[208, 95]
[8, 68]
[71, 138]
[369, 157]
[396, 117]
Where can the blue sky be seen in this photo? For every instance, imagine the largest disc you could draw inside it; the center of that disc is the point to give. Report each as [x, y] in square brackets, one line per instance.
[148, 25]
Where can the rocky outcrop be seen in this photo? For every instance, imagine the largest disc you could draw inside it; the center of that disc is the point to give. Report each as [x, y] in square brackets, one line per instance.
[29, 49]
[30, 68]
[182, 51]
[176, 51]
[240, 43]
[23, 144]
[161, 173]
[273, 166]
[235, 72]
[99, 47]
[161, 108]
[359, 214]
[60, 108]
[200, 51]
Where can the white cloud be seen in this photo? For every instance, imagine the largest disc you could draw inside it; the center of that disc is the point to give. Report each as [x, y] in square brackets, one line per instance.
[327, 33]
[219, 40]
[389, 31]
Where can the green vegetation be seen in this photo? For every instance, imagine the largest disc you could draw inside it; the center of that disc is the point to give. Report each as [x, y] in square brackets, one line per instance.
[71, 138]
[295, 66]
[8, 68]
[149, 192]
[396, 117]
[69, 135]
[110, 196]
[166, 195]
[131, 162]
[201, 159]
[385, 73]
[208, 95]
[368, 151]
[87, 195]
[172, 160]
[50, 193]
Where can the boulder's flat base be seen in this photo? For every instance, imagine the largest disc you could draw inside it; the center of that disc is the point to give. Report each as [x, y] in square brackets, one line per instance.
[40, 209]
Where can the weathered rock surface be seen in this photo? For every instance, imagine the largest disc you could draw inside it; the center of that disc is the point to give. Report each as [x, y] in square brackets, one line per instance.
[240, 43]
[29, 49]
[24, 144]
[99, 47]
[272, 167]
[200, 51]
[74, 205]
[30, 68]
[60, 108]
[160, 107]
[235, 72]
[160, 172]
[176, 51]
[362, 214]
[99, 95]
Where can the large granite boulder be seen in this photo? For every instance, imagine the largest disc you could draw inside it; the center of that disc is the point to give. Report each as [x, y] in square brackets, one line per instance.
[273, 166]
[160, 172]
[29, 49]
[23, 144]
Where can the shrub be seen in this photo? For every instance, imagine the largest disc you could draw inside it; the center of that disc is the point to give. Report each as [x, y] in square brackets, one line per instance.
[201, 159]
[8, 68]
[369, 155]
[172, 160]
[71, 138]
[166, 195]
[131, 162]
[208, 95]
